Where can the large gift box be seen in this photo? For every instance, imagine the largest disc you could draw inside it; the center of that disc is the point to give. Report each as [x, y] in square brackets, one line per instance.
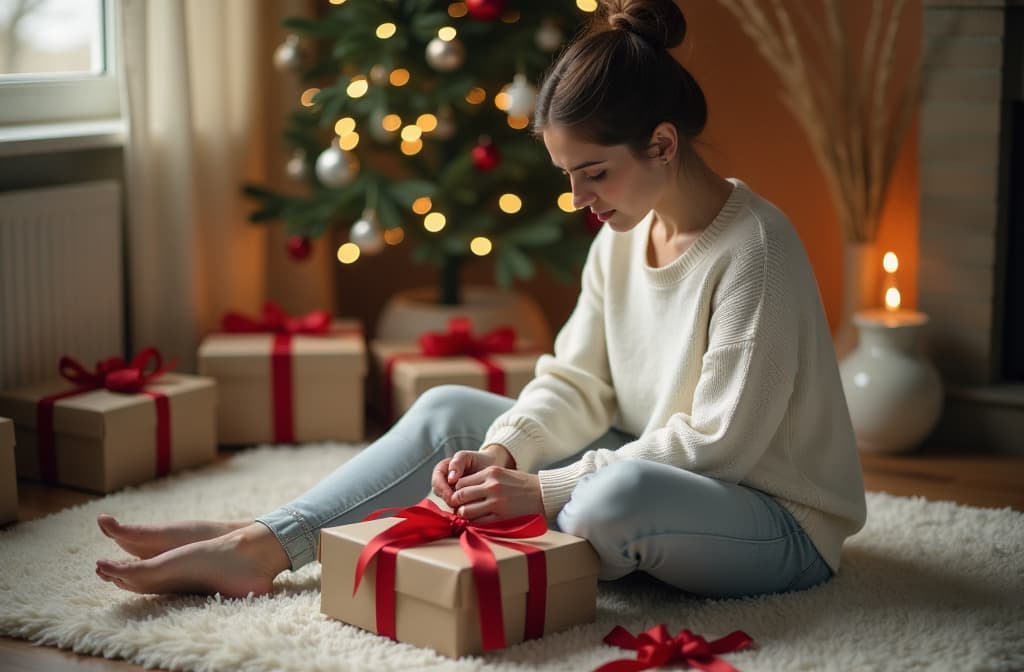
[287, 380]
[456, 587]
[8, 479]
[118, 425]
[493, 362]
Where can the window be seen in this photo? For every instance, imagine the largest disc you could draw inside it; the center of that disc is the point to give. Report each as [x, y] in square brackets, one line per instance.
[57, 61]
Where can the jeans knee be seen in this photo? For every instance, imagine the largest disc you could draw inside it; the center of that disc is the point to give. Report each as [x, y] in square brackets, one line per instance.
[446, 408]
[603, 500]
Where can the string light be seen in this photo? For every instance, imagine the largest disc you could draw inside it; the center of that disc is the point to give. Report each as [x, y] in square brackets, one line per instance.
[307, 97]
[510, 16]
[399, 77]
[358, 87]
[510, 203]
[391, 122]
[426, 122]
[480, 246]
[344, 126]
[411, 148]
[386, 30]
[348, 253]
[565, 202]
[890, 262]
[422, 205]
[447, 33]
[502, 100]
[457, 10]
[434, 222]
[349, 141]
[337, 2]
[394, 236]
[411, 133]
[587, 5]
[518, 123]
[476, 96]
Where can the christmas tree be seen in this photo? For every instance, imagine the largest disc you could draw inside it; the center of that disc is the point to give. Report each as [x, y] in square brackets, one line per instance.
[415, 131]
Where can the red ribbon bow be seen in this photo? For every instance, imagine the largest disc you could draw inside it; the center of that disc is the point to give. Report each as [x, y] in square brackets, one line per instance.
[655, 647]
[116, 375]
[275, 321]
[458, 341]
[424, 523]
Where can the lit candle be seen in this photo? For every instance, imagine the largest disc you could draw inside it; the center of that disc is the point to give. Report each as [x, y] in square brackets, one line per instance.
[890, 263]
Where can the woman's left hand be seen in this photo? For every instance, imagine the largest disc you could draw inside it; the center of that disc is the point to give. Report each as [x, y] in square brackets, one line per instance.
[496, 493]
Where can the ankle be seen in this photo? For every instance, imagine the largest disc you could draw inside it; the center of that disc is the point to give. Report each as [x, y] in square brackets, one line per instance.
[258, 542]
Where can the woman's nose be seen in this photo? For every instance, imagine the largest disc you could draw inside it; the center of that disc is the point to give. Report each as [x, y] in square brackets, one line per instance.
[581, 197]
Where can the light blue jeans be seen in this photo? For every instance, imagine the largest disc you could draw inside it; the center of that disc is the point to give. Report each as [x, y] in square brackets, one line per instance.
[698, 534]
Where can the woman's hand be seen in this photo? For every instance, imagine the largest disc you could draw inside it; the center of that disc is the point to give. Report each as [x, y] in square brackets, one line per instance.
[496, 493]
[449, 470]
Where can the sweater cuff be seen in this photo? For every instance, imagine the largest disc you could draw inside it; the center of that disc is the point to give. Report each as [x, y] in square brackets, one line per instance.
[556, 486]
[518, 443]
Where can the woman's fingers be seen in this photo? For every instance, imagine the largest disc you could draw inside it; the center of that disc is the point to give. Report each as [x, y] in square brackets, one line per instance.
[439, 481]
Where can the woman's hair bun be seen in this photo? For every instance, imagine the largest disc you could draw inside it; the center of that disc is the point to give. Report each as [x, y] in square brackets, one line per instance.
[660, 22]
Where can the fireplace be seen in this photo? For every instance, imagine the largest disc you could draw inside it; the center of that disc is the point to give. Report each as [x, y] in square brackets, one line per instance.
[972, 218]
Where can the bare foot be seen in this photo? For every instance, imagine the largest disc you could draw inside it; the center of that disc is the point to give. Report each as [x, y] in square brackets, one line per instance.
[146, 541]
[236, 564]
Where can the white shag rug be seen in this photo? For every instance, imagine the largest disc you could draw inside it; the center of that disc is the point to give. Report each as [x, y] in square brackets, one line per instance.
[925, 586]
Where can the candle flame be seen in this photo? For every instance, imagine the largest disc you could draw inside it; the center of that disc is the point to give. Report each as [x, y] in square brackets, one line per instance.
[890, 262]
[892, 299]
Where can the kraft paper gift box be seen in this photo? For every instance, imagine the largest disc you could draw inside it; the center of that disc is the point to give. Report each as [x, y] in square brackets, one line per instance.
[435, 599]
[104, 440]
[412, 373]
[8, 477]
[325, 386]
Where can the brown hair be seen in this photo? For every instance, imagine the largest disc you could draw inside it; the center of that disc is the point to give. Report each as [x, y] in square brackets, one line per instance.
[617, 81]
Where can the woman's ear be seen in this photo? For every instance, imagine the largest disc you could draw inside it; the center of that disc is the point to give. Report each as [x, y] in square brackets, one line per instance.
[664, 144]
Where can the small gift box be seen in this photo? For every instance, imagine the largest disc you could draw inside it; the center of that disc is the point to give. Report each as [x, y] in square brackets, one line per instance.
[432, 579]
[492, 362]
[287, 380]
[8, 479]
[115, 426]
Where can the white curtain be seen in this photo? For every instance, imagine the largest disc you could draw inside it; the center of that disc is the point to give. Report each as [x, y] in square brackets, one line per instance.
[196, 82]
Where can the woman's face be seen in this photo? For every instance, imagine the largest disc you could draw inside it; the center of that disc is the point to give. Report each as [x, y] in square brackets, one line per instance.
[617, 186]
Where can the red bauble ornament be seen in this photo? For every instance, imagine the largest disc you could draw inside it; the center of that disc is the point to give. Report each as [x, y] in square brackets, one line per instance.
[592, 223]
[299, 247]
[485, 10]
[486, 155]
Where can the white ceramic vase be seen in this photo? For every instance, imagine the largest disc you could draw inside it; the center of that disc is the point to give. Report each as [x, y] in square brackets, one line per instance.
[410, 313]
[893, 391]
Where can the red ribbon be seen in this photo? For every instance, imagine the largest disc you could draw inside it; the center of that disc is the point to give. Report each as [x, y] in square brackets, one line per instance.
[458, 341]
[424, 523]
[656, 648]
[116, 375]
[283, 326]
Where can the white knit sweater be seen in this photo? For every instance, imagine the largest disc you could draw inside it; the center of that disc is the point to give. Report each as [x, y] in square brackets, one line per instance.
[720, 362]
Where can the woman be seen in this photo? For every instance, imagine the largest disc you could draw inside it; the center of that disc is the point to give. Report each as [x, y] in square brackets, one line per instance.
[690, 424]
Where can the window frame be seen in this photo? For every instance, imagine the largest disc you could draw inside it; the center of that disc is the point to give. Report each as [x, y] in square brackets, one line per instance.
[62, 99]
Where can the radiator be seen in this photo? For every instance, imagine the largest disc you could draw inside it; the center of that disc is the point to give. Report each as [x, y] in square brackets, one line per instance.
[61, 278]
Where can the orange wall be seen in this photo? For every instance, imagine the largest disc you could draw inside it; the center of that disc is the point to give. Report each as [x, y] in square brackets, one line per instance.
[750, 135]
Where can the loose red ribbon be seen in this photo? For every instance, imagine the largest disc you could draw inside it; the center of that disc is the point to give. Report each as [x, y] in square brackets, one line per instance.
[656, 647]
[458, 341]
[424, 523]
[116, 375]
[283, 326]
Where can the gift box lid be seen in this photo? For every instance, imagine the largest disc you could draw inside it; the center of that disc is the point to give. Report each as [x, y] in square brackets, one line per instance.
[440, 571]
[88, 414]
[337, 354]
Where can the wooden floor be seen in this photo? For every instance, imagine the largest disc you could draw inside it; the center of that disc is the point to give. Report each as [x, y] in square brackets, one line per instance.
[976, 480]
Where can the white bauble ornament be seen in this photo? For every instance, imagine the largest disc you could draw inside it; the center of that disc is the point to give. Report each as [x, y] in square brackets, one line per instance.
[521, 95]
[445, 56]
[296, 166]
[366, 233]
[549, 36]
[335, 167]
[289, 55]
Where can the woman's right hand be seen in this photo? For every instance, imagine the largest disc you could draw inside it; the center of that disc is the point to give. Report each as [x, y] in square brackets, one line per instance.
[463, 463]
